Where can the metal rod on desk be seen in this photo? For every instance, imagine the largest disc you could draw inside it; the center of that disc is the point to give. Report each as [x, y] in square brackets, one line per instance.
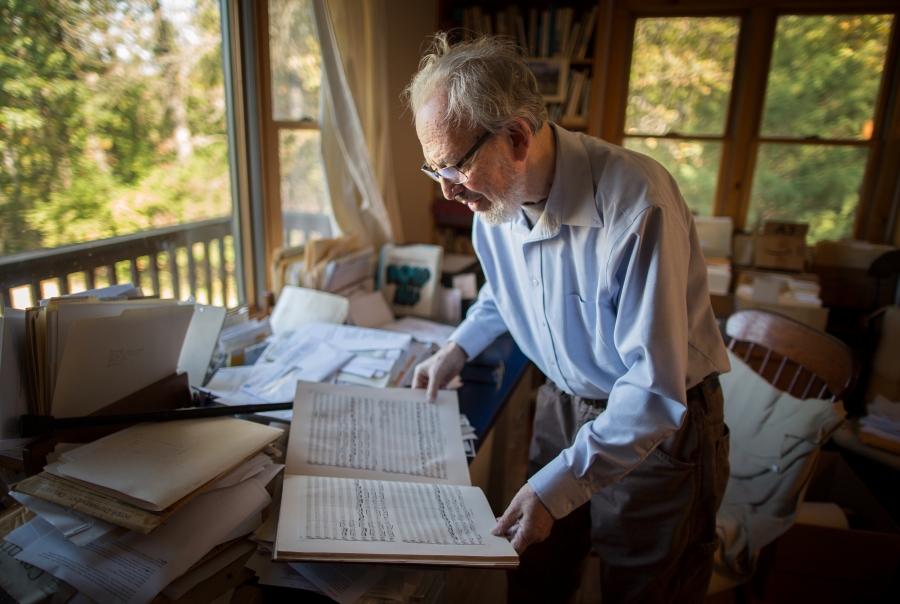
[36, 425]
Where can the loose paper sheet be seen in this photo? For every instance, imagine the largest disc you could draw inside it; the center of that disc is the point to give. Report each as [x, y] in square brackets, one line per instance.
[344, 583]
[302, 358]
[77, 527]
[279, 574]
[386, 434]
[423, 330]
[107, 359]
[297, 306]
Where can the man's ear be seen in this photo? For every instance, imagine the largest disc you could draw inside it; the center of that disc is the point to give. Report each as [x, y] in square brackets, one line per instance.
[521, 137]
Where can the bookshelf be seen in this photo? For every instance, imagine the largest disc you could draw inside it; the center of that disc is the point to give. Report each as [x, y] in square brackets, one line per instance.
[555, 36]
[558, 40]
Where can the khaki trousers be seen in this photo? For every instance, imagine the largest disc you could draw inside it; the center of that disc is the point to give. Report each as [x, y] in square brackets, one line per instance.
[654, 529]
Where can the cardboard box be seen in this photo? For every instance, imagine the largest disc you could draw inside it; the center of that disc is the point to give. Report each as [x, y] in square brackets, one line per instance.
[829, 565]
[849, 254]
[782, 246]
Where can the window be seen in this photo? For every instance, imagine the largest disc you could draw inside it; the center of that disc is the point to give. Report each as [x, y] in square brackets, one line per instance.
[817, 120]
[295, 76]
[760, 114]
[681, 78]
[115, 155]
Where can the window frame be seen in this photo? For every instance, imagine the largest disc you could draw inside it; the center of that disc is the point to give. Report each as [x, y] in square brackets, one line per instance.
[875, 215]
[270, 130]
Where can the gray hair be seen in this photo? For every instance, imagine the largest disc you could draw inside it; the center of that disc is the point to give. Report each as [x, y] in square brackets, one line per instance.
[486, 80]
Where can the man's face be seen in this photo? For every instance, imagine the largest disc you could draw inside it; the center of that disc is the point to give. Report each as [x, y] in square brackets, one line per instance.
[495, 186]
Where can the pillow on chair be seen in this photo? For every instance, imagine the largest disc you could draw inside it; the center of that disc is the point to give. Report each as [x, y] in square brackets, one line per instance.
[775, 439]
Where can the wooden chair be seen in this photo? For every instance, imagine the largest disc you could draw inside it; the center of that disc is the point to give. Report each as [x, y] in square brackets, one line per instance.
[792, 356]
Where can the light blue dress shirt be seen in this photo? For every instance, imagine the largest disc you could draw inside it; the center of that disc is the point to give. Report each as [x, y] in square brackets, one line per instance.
[608, 296]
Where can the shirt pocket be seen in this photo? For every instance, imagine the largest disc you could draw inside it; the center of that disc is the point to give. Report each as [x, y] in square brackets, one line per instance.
[583, 339]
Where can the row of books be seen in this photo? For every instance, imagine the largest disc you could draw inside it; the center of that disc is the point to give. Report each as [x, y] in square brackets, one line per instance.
[549, 33]
[574, 110]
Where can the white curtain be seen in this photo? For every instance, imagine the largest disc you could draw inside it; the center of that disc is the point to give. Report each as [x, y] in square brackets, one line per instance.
[356, 145]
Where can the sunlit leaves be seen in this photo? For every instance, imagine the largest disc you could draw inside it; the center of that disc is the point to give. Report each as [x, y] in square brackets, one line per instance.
[681, 75]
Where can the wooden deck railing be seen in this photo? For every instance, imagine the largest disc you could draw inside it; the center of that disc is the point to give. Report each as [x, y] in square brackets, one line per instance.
[195, 259]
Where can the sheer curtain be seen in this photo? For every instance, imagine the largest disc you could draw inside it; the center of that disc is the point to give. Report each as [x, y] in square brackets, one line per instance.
[354, 119]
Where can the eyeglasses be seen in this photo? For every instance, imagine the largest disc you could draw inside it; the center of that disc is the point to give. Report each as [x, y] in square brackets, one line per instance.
[453, 174]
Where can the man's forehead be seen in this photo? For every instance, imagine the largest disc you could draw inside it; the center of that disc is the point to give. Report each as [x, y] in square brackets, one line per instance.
[441, 143]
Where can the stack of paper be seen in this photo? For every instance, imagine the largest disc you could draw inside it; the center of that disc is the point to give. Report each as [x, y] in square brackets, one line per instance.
[120, 519]
[140, 476]
[84, 353]
[319, 352]
[881, 426]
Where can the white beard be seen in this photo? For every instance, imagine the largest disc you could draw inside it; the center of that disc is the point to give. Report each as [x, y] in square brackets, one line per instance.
[506, 204]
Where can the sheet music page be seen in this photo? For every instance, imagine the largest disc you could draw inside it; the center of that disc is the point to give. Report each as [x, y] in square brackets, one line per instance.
[344, 518]
[383, 434]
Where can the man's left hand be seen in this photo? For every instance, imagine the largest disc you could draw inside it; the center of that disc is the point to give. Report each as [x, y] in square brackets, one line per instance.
[525, 521]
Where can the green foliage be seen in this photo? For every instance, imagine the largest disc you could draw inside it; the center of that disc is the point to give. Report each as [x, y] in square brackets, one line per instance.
[681, 74]
[824, 79]
[112, 119]
[825, 74]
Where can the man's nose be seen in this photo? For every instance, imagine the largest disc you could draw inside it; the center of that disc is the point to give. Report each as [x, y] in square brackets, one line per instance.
[450, 190]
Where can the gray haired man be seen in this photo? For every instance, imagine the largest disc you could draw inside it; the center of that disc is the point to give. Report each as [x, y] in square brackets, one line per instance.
[594, 266]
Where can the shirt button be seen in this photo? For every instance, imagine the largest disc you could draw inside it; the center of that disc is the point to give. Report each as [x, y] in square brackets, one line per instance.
[568, 506]
[543, 324]
[553, 363]
[535, 282]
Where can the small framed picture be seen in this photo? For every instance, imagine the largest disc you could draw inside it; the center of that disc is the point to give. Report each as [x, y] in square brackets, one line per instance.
[552, 77]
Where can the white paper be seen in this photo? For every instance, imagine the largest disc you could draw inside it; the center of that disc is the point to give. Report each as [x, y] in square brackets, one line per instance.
[344, 583]
[467, 286]
[765, 290]
[189, 580]
[109, 358]
[306, 359]
[227, 382]
[369, 310]
[367, 366]
[77, 527]
[134, 568]
[423, 330]
[386, 434]
[297, 306]
[200, 341]
[279, 574]
[68, 311]
[353, 339]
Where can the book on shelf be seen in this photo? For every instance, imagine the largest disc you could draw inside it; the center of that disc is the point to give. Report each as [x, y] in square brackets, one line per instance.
[552, 32]
[380, 475]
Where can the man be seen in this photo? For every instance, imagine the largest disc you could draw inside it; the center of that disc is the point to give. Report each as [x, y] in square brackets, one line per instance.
[594, 266]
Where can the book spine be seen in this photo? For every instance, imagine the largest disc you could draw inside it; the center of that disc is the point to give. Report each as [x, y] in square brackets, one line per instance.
[533, 32]
[545, 35]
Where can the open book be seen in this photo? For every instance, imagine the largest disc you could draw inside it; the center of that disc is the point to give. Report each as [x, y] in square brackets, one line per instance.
[379, 475]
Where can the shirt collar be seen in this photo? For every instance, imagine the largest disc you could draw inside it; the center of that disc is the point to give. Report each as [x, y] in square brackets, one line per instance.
[571, 199]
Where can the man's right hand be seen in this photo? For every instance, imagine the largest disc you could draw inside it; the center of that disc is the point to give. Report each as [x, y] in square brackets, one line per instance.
[436, 371]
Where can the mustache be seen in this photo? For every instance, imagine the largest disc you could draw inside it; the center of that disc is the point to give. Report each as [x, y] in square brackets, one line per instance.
[467, 196]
